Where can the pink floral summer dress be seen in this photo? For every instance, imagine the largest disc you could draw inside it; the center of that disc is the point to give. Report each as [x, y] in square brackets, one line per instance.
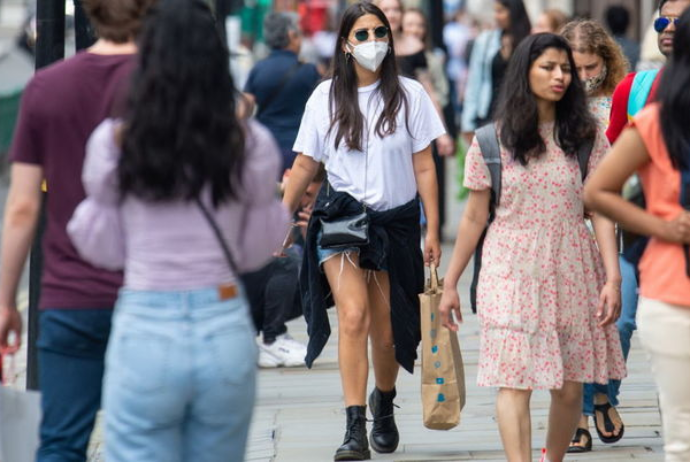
[541, 276]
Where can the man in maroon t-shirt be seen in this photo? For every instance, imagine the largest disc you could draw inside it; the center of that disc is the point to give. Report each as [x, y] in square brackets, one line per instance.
[60, 108]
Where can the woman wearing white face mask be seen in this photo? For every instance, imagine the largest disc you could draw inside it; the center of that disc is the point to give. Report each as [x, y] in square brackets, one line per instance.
[601, 65]
[373, 131]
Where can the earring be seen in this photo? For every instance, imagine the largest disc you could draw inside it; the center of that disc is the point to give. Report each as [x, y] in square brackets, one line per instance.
[348, 56]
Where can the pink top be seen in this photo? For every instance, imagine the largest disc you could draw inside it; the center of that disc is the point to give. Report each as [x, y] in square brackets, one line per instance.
[171, 246]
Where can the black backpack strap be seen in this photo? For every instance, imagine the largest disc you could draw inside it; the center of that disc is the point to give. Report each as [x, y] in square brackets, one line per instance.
[584, 152]
[491, 152]
[487, 137]
[279, 88]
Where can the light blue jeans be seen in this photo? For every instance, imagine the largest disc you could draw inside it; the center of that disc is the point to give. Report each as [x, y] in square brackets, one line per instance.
[180, 377]
[626, 326]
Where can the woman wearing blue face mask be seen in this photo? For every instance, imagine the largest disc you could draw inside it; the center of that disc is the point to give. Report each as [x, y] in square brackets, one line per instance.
[373, 131]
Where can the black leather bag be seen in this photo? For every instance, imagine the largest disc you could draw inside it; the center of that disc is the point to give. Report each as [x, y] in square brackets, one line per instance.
[344, 232]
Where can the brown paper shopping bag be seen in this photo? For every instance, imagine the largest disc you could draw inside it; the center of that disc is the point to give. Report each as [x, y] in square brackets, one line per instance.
[443, 373]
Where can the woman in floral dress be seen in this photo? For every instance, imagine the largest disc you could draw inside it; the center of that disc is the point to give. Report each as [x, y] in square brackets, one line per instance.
[601, 65]
[547, 298]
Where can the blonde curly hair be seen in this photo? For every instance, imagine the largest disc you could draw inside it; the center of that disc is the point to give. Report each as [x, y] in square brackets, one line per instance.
[586, 36]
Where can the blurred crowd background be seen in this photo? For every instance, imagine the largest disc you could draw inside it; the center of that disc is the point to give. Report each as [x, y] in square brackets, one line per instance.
[453, 25]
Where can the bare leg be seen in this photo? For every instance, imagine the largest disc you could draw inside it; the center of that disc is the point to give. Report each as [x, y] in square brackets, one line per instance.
[564, 416]
[348, 284]
[514, 423]
[381, 332]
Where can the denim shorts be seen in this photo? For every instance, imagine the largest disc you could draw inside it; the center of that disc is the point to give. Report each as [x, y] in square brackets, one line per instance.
[326, 254]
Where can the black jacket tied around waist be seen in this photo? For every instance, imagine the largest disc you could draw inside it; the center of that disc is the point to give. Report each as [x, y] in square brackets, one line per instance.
[394, 244]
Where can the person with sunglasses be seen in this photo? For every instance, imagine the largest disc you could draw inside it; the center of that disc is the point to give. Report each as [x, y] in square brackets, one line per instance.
[665, 26]
[372, 129]
[656, 147]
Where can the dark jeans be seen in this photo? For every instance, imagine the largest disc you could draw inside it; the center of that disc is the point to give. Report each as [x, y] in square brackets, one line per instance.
[626, 326]
[71, 349]
[273, 294]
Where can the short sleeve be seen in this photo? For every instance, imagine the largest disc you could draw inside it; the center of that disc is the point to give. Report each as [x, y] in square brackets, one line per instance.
[477, 176]
[599, 150]
[619, 108]
[27, 144]
[96, 227]
[100, 177]
[309, 141]
[425, 122]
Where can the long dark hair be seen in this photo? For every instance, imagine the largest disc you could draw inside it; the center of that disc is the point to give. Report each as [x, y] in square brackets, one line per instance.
[675, 98]
[181, 132]
[520, 25]
[518, 117]
[344, 110]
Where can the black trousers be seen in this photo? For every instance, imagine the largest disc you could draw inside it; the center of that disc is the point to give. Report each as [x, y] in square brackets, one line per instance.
[273, 294]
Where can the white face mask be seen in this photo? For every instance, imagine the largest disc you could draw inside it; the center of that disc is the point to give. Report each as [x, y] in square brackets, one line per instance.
[370, 55]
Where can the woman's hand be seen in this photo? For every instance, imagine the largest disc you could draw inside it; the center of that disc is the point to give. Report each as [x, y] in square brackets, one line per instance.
[432, 250]
[678, 229]
[450, 304]
[609, 308]
[10, 330]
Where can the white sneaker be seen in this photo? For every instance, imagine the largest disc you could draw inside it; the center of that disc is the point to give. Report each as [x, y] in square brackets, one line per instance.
[285, 351]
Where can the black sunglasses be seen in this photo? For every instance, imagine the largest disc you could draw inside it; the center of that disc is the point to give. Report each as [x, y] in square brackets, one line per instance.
[363, 34]
[662, 22]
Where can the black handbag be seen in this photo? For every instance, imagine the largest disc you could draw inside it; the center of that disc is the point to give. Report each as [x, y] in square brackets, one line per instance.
[345, 232]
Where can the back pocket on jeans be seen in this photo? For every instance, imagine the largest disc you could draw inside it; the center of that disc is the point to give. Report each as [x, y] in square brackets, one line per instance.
[235, 354]
[140, 361]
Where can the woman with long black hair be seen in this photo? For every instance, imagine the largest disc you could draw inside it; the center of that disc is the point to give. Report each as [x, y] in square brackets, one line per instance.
[373, 131]
[182, 195]
[491, 54]
[546, 297]
[657, 147]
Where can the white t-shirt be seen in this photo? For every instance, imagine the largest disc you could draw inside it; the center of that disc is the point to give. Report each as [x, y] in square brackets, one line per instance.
[382, 176]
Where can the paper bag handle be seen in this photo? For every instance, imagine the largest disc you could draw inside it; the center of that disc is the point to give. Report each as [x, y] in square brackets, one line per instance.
[434, 276]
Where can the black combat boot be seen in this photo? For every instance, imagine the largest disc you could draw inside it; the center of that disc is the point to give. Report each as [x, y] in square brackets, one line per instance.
[384, 434]
[355, 446]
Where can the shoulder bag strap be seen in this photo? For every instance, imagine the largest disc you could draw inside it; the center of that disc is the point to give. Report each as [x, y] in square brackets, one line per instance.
[279, 88]
[584, 152]
[219, 235]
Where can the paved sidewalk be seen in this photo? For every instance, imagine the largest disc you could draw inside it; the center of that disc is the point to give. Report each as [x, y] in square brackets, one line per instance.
[299, 414]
